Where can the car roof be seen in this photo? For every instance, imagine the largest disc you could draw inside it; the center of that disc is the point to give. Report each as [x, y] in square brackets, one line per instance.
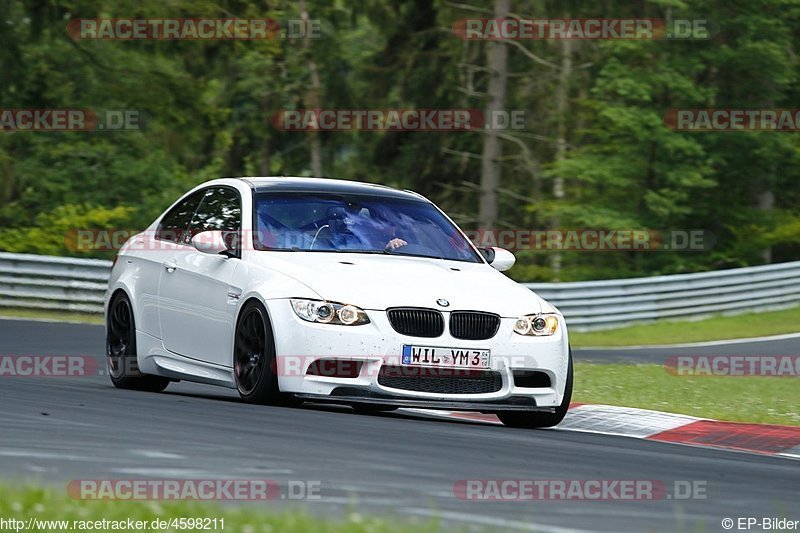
[326, 185]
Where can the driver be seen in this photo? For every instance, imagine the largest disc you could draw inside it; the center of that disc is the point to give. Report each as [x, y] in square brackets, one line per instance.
[372, 229]
[395, 243]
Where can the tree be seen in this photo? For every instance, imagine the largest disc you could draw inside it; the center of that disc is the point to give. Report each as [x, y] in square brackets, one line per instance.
[491, 169]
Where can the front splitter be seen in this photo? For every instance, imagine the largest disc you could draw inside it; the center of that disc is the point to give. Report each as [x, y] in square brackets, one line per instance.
[483, 407]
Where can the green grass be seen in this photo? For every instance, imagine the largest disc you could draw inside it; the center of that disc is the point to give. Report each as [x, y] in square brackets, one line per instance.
[668, 332]
[766, 400]
[52, 504]
[47, 314]
[710, 329]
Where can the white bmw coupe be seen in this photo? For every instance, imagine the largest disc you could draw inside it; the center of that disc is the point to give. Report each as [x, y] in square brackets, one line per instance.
[320, 290]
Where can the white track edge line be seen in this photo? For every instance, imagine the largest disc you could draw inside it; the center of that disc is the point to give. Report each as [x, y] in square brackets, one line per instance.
[721, 342]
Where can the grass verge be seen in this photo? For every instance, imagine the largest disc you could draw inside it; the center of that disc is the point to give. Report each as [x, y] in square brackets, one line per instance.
[48, 314]
[755, 399]
[710, 329]
[50, 504]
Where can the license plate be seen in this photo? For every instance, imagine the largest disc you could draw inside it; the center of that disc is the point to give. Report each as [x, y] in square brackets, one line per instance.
[445, 357]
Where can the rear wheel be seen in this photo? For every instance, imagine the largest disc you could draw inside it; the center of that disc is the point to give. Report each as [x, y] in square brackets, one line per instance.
[521, 419]
[123, 366]
[254, 358]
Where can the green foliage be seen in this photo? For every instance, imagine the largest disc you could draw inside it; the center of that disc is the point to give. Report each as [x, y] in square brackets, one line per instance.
[207, 107]
[55, 232]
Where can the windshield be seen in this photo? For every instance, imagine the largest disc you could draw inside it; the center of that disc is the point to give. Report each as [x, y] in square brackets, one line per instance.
[366, 224]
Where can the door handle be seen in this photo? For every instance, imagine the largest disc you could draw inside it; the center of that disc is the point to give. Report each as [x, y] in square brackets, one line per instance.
[170, 266]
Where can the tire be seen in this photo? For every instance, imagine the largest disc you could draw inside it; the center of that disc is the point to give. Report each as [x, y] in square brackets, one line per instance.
[254, 358]
[522, 419]
[123, 366]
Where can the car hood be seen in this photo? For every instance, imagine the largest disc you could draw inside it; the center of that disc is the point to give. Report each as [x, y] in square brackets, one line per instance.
[381, 281]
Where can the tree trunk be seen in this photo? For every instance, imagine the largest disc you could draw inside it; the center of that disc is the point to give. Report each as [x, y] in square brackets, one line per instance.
[264, 157]
[562, 108]
[766, 202]
[491, 170]
[312, 95]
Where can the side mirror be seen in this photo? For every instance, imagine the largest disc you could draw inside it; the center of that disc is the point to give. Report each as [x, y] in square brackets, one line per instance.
[210, 242]
[500, 258]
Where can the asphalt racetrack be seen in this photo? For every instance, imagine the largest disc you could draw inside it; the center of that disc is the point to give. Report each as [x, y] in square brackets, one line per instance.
[400, 464]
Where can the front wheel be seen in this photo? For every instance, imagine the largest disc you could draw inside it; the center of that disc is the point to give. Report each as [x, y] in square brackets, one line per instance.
[254, 364]
[123, 366]
[541, 420]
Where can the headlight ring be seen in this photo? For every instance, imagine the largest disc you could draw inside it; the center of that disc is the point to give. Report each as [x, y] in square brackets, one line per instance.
[324, 312]
[539, 325]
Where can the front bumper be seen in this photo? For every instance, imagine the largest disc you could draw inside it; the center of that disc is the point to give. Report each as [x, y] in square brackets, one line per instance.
[298, 344]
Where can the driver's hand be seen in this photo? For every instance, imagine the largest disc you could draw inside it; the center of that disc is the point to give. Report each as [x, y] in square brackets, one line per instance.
[395, 243]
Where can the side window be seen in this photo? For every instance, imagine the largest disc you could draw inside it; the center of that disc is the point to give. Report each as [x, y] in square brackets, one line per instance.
[175, 224]
[220, 209]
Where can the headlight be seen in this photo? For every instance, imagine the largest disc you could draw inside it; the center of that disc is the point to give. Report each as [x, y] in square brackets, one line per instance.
[329, 312]
[536, 325]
